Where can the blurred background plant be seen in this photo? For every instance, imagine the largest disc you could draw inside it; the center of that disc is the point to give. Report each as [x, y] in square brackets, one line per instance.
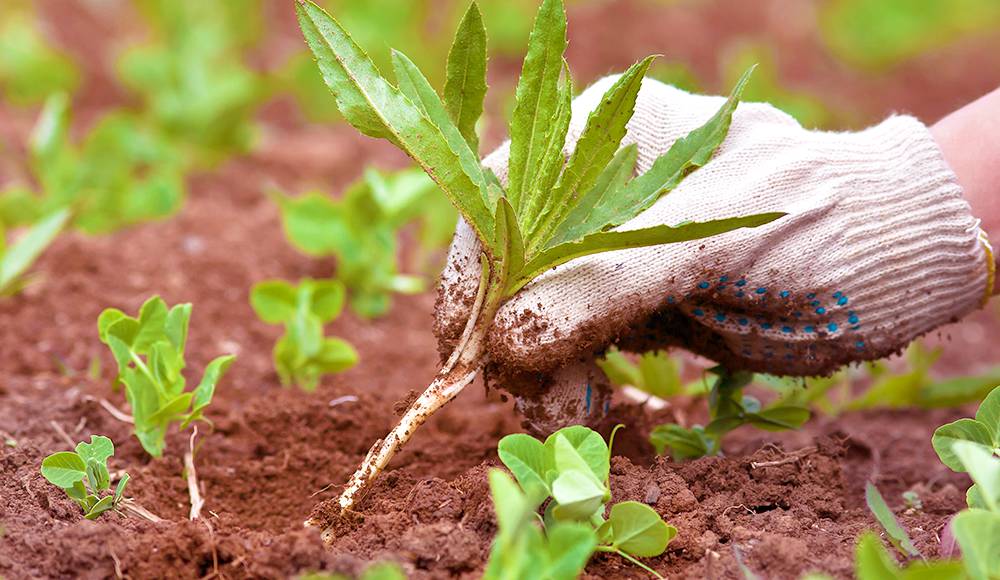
[111, 107]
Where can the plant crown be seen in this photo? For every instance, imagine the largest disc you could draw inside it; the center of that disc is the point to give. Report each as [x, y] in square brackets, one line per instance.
[149, 350]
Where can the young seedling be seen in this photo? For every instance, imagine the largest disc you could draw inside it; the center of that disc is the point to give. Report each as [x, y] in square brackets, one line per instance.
[571, 469]
[191, 74]
[361, 228]
[729, 409]
[19, 256]
[83, 475]
[304, 354]
[121, 173]
[149, 351]
[883, 513]
[550, 211]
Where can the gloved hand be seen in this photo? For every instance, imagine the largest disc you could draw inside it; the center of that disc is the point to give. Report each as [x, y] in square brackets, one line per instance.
[878, 247]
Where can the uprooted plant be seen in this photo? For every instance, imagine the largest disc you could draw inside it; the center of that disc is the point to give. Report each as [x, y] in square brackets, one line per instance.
[149, 351]
[551, 211]
[571, 472]
[83, 474]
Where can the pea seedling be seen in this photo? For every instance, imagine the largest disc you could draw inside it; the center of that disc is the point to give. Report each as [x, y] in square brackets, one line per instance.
[551, 211]
[122, 173]
[149, 351]
[571, 469]
[83, 475]
[303, 354]
[360, 229]
[728, 409]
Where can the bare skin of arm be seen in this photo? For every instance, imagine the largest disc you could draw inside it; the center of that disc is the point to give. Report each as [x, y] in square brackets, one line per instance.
[970, 140]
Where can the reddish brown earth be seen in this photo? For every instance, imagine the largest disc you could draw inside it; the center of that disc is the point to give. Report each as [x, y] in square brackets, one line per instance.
[787, 503]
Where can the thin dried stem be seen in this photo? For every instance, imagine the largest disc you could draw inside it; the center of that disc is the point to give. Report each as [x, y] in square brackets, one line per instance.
[131, 508]
[62, 434]
[116, 412]
[197, 502]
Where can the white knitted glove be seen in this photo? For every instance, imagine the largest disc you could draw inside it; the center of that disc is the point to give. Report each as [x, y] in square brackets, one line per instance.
[878, 248]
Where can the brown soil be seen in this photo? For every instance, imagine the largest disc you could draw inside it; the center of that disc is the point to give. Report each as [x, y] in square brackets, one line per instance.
[787, 503]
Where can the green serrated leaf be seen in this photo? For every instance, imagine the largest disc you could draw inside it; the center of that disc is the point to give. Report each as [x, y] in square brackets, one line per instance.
[465, 85]
[638, 530]
[595, 148]
[531, 201]
[416, 87]
[620, 240]
[683, 157]
[897, 535]
[376, 108]
[582, 220]
[536, 94]
[203, 393]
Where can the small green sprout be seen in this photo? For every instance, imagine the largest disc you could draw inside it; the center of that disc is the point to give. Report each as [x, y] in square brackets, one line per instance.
[656, 373]
[729, 409]
[192, 77]
[983, 431]
[572, 470]
[883, 513]
[30, 69]
[303, 355]
[19, 256]
[361, 229]
[83, 475]
[149, 351]
[121, 173]
[379, 571]
[551, 210]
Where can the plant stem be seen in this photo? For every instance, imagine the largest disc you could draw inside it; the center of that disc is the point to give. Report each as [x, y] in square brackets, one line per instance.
[614, 550]
[460, 369]
[130, 507]
[197, 502]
